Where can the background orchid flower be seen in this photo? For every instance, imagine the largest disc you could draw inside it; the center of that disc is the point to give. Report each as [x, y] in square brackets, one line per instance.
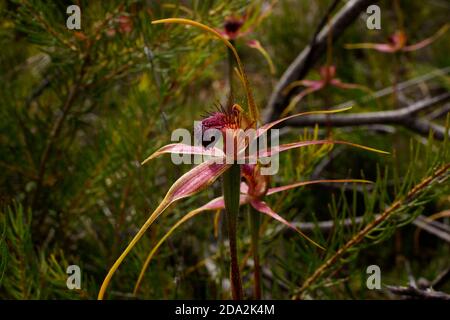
[327, 77]
[239, 26]
[398, 42]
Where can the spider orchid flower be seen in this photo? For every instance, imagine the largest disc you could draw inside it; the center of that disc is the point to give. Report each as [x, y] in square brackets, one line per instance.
[236, 27]
[231, 123]
[327, 78]
[203, 175]
[398, 42]
[253, 190]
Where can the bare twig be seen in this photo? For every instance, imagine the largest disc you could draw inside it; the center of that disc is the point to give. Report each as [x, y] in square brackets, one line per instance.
[412, 292]
[433, 227]
[439, 112]
[442, 277]
[309, 56]
[403, 116]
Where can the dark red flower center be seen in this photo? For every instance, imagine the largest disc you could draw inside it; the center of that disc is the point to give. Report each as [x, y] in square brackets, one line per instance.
[232, 26]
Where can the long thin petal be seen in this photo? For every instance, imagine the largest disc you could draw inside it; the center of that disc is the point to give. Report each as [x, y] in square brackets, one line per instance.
[180, 148]
[255, 44]
[263, 129]
[294, 101]
[254, 112]
[262, 207]
[284, 147]
[304, 83]
[427, 41]
[213, 205]
[305, 183]
[190, 183]
[344, 85]
[382, 47]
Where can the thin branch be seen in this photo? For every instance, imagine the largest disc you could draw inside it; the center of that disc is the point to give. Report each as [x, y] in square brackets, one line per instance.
[438, 112]
[441, 278]
[411, 292]
[435, 228]
[403, 116]
[311, 54]
[320, 26]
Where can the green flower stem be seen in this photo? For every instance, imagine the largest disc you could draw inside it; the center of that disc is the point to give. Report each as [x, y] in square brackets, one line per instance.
[230, 69]
[255, 219]
[231, 184]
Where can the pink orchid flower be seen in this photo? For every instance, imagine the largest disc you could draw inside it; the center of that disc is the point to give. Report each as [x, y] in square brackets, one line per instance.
[327, 78]
[236, 27]
[203, 175]
[398, 42]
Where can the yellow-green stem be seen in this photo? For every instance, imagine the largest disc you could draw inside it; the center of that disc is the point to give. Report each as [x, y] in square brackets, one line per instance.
[230, 69]
[231, 184]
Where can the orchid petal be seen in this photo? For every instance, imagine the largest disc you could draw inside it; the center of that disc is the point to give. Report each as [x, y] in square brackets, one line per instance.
[285, 147]
[294, 101]
[255, 44]
[187, 185]
[263, 129]
[180, 148]
[262, 207]
[215, 204]
[382, 47]
[305, 83]
[343, 85]
[305, 183]
[427, 41]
